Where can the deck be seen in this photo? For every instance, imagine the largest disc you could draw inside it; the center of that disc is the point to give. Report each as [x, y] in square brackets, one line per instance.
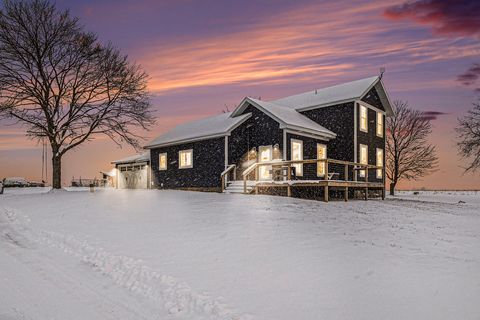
[331, 179]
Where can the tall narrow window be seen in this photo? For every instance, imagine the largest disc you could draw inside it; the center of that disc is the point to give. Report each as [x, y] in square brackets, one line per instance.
[185, 159]
[162, 161]
[363, 157]
[379, 163]
[321, 154]
[379, 124]
[297, 154]
[363, 118]
[265, 155]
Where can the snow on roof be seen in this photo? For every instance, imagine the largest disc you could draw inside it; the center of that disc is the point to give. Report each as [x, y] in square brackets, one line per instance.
[292, 118]
[285, 111]
[206, 128]
[135, 158]
[342, 92]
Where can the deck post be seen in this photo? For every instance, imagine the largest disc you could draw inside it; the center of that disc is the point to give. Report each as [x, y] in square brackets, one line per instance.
[244, 184]
[346, 172]
[346, 194]
[325, 193]
[326, 171]
[223, 183]
[366, 183]
[289, 178]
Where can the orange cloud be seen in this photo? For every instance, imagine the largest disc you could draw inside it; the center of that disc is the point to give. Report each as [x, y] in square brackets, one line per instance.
[302, 45]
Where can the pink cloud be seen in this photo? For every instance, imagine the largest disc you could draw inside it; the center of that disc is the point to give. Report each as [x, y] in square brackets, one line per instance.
[459, 17]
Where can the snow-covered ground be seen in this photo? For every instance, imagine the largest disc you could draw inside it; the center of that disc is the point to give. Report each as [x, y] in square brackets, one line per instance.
[147, 254]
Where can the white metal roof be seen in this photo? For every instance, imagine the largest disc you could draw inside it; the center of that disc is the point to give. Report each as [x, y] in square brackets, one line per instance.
[290, 118]
[211, 127]
[285, 111]
[345, 92]
[143, 157]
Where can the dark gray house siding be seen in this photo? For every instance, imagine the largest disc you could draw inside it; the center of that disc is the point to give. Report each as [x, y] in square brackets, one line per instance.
[309, 152]
[371, 139]
[373, 99]
[258, 130]
[339, 119]
[208, 164]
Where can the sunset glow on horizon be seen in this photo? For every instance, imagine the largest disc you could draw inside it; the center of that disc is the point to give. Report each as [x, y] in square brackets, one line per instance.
[205, 57]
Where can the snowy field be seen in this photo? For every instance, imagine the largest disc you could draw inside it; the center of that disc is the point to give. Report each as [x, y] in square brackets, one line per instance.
[120, 254]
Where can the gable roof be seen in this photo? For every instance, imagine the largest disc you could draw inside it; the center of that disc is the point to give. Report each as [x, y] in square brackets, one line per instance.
[285, 111]
[143, 157]
[207, 128]
[346, 92]
[288, 118]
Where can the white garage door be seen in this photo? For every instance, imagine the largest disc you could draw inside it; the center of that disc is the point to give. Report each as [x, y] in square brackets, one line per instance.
[132, 177]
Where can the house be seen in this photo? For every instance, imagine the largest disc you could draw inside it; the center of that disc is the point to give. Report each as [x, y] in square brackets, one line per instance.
[322, 140]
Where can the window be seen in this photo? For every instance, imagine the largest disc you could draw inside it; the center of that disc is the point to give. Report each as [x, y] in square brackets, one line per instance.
[321, 154]
[379, 124]
[265, 155]
[363, 157]
[185, 159]
[297, 154]
[162, 161]
[363, 118]
[379, 163]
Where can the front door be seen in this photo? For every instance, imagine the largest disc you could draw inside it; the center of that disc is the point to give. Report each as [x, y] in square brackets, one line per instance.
[265, 155]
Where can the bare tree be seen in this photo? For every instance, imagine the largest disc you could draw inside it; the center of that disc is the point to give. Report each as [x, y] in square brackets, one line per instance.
[409, 155]
[468, 131]
[63, 85]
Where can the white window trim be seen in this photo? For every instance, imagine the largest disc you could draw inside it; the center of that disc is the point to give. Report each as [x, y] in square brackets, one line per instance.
[299, 165]
[362, 172]
[366, 117]
[180, 162]
[166, 161]
[259, 160]
[318, 163]
[269, 147]
[379, 176]
[379, 114]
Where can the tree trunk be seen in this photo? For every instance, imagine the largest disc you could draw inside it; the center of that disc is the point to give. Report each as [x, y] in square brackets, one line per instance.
[57, 172]
[392, 188]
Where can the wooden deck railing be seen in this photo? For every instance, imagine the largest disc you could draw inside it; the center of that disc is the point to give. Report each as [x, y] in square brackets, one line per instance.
[356, 168]
[225, 173]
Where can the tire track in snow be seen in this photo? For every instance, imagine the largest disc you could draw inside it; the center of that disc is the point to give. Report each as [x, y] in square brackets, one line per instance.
[41, 287]
[176, 297]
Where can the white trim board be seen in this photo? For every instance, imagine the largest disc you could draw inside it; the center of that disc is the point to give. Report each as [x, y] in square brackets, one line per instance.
[369, 106]
[304, 134]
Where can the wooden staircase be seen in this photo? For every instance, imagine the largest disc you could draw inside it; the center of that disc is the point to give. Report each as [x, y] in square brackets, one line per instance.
[236, 186]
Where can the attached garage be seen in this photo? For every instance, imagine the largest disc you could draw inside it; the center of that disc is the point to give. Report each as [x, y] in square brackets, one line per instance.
[133, 172]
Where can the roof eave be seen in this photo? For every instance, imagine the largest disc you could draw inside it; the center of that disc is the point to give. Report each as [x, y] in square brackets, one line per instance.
[199, 138]
[313, 107]
[194, 139]
[322, 134]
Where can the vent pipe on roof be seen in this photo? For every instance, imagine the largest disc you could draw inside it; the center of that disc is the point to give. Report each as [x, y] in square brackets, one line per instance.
[382, 71]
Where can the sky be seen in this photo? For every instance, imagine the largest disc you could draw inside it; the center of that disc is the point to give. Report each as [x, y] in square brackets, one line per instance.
[203, 57]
